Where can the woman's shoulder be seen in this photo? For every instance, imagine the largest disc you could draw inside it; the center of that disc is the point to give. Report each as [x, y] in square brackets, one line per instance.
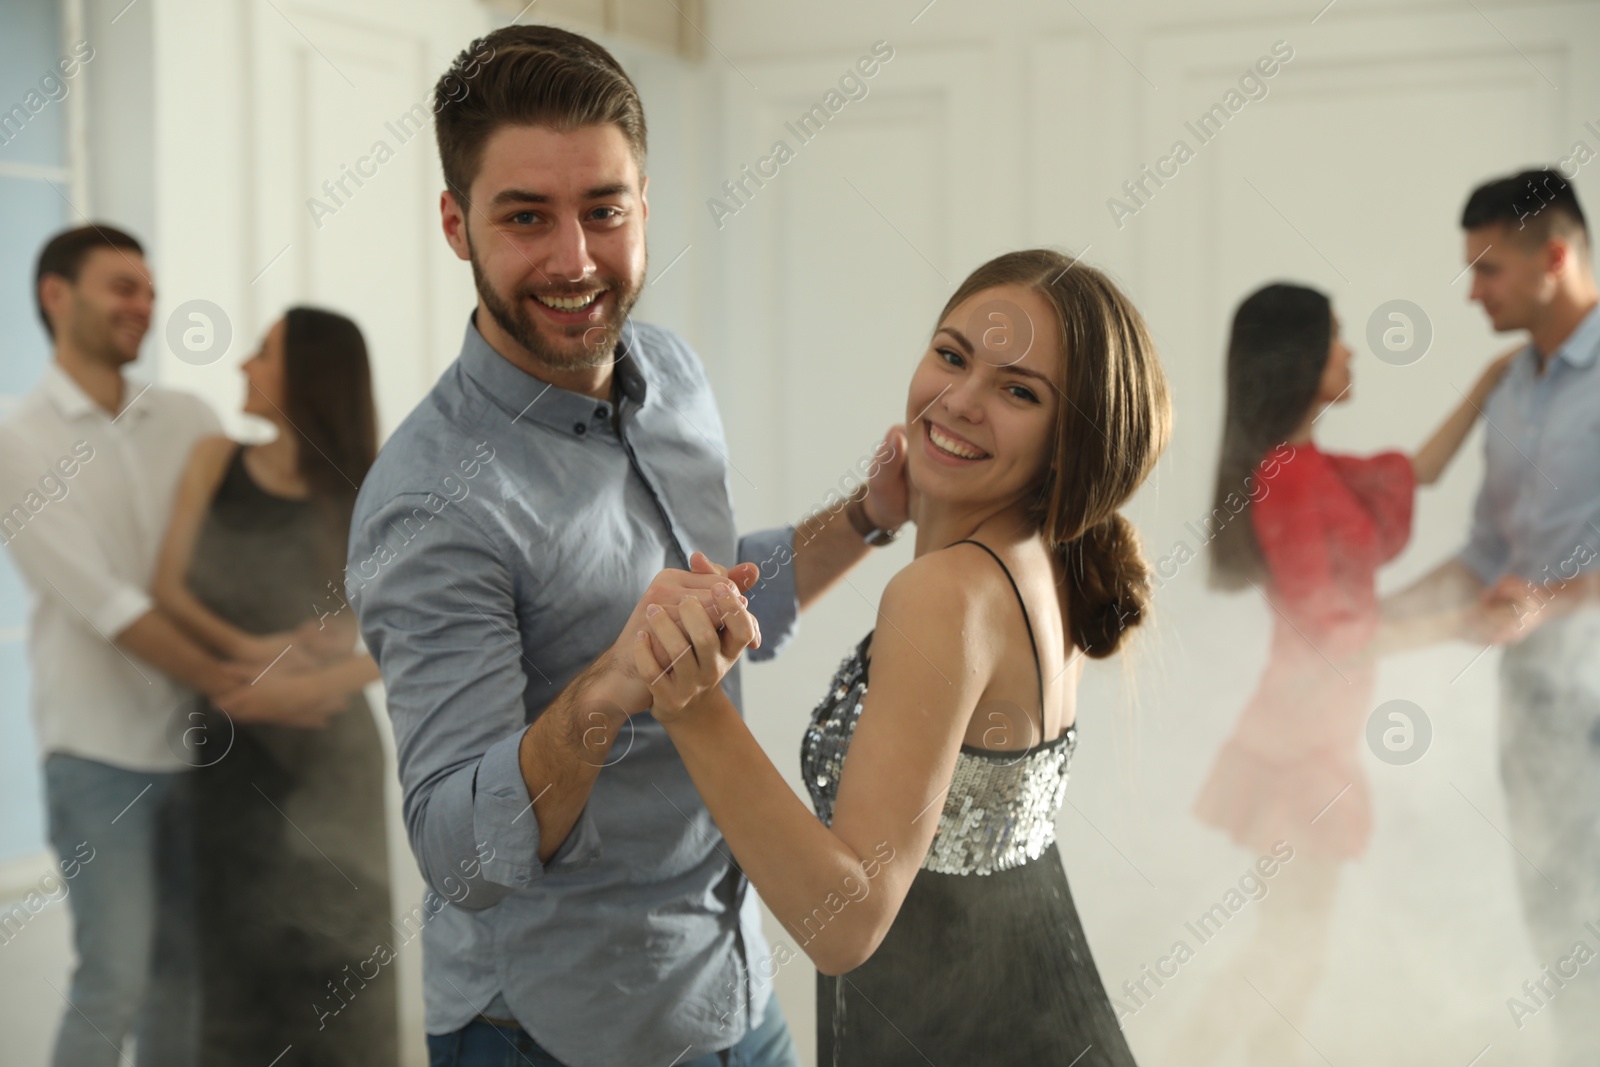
[933, 581]
[949, 594]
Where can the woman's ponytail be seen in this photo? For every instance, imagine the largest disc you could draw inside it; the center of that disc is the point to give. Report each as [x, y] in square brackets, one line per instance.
[1108, 585]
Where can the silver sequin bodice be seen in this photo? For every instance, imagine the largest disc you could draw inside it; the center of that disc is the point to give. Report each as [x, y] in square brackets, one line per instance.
[1001, 809]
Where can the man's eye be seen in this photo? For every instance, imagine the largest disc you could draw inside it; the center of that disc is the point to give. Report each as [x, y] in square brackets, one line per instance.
[523, 218]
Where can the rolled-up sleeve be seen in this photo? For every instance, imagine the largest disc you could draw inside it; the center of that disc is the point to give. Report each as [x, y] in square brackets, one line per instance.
[54, 546]
[438, 612]
[772, 600]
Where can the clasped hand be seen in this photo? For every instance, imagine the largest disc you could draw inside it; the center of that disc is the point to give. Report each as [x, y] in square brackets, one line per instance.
[1507, 611]
[683, 660]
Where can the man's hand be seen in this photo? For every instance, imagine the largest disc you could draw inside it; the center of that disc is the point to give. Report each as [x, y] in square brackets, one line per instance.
[625, 688]
[694, 655]
[284, 700]
[1506, 612]
[284, 657]
[888, 498]
[325, 640]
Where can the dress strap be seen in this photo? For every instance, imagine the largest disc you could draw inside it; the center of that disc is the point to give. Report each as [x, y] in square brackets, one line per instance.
[1032, 643]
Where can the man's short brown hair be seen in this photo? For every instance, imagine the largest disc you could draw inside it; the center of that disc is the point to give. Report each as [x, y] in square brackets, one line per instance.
[528, 76]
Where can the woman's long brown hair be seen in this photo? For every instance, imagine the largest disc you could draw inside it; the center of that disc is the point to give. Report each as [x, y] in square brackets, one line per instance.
[328, 400]
[1113, 423]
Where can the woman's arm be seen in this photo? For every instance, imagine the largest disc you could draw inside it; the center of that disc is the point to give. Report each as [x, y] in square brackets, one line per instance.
[208, 462]
[1395, 635]
[1436, 454]
[849, 881]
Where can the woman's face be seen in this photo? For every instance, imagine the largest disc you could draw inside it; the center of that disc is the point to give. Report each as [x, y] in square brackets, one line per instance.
[263, 374]
[1336, 379]
[982, 407]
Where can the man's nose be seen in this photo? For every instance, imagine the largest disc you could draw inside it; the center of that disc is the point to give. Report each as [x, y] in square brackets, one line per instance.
[569, 259]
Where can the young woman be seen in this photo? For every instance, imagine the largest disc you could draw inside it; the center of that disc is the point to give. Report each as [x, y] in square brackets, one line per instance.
[293, 870]
[930, 893]
[1308, 529]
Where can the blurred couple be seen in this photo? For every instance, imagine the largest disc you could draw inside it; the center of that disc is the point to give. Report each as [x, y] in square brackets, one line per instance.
[175, 573]
[1310, 529]
[578, 780]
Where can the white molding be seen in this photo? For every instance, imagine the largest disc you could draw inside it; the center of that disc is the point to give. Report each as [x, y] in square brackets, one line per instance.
[77, 132]
[35, 172]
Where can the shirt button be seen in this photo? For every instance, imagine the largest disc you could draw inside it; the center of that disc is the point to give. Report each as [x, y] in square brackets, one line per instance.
[579, 428]
[602, 411]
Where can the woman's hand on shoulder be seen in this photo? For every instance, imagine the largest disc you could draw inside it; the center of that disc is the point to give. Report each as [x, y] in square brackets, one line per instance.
[683, 661]
[1494, 372]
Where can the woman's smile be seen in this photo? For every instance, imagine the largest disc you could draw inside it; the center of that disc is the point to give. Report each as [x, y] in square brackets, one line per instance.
[950, 448]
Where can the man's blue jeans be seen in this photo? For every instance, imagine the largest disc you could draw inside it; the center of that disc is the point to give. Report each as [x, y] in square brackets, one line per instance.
[482, 1044]
[132, 912]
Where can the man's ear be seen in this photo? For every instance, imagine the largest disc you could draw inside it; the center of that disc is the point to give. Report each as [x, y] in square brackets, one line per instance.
[55, 293]
[453, 220]
[644, 199]
[1558, 254]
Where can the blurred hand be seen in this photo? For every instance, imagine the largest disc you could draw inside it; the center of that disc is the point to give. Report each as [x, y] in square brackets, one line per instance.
[694, 654]
[262, 649]
[297, 700]
[286, 658]
[1506, 612]
[325, 640]
[1493, 373]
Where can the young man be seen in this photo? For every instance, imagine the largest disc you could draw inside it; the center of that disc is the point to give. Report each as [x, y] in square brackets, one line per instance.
[569, 461]
[1528, 575]
[89, 463]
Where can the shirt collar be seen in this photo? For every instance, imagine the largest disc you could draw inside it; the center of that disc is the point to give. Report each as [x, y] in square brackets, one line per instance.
[531, 399]
[1580, 348]
[73, 403]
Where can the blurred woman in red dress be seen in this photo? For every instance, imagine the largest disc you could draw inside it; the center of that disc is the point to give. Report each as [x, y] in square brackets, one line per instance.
[1308, 530]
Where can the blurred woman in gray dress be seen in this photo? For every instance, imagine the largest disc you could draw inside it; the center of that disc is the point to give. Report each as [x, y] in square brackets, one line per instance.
[292, 861]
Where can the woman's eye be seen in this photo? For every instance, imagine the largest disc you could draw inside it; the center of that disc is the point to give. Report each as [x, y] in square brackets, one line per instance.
[1024, 393]
[950, 356]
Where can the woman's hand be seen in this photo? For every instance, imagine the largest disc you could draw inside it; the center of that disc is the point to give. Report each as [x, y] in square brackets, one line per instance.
[1493, 373]
[682, 661]
[626, 688]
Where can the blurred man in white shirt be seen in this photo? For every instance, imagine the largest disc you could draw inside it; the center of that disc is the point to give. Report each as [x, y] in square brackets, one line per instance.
[89, 463]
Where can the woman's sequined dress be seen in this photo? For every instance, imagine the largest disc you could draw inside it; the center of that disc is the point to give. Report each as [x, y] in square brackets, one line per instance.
[986, 962]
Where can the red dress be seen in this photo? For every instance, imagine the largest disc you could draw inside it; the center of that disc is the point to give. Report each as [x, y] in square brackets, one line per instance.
[1325, 524]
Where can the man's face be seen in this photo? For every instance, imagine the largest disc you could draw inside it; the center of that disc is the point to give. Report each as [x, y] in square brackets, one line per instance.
[556, 236]
[1510, 276]
[106, 312]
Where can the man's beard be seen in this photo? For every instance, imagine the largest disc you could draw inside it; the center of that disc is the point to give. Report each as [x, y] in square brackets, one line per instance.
[597, 341]
[94, 334]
